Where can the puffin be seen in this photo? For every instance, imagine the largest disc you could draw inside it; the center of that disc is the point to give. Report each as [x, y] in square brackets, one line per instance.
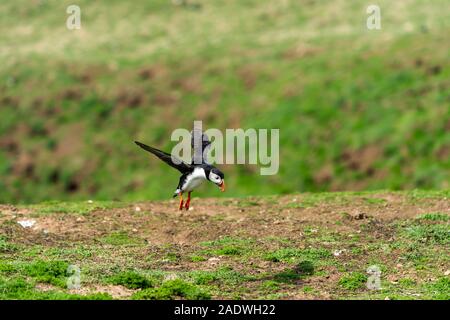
[192, 174]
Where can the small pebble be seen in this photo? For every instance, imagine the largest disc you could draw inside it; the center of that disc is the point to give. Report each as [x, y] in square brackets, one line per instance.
[27, 223]
[337, 253]
[213, 260]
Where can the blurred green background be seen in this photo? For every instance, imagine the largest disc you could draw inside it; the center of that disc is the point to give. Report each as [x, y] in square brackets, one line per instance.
[357, 109]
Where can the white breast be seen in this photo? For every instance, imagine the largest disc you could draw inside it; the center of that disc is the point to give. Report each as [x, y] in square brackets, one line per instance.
[196, 178]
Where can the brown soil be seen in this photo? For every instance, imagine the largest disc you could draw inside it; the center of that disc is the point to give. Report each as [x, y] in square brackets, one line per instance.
[160, 237]
[161, 222]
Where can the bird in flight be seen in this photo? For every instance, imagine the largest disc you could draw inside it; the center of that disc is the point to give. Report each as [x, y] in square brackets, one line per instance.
[192, 174]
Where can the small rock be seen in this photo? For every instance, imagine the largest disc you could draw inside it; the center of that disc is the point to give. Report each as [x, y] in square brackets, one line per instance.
[213, 260]
[191, 208]
[79, 219]
[26, 223]
[399, 265]
[337, 253]
[134, 230]
[137, 209]
[447, 272]
[90, 201]
[387, 298]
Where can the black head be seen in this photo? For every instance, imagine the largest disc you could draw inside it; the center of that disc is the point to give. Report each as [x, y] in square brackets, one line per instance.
[216, 176]
[218, 172]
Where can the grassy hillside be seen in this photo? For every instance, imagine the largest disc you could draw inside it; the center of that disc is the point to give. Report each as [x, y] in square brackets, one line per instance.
[356, 109]
[299, 246]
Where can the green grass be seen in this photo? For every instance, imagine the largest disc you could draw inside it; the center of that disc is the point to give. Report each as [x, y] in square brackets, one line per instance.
[197, 258]
[439, 289]
[51, 272]
[373, 117]
[82, 207]
[131, 280]
[270, 285]
[120, 238]
[353, 281]
[435, 216]
[434, 233]
[6, 246]
[224, 275]
[259, 259]
[172, 289]
[20, 289]
[227, 246]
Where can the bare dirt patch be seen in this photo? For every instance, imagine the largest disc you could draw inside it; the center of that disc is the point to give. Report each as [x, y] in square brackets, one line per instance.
[160, 222]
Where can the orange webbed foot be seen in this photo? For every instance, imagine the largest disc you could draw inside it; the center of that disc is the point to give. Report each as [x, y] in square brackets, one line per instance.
[188, 202]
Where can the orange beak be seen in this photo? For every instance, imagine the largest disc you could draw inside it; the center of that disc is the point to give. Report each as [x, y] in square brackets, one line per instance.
[222, 186]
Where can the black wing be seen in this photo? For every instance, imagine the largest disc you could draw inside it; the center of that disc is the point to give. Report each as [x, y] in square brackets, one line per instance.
[167, 158]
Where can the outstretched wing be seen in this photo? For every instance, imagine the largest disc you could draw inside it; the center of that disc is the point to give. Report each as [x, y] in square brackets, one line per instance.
[200, 144]
[167, 158]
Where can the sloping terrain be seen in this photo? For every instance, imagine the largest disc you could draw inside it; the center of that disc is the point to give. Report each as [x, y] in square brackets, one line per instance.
[356, 109]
